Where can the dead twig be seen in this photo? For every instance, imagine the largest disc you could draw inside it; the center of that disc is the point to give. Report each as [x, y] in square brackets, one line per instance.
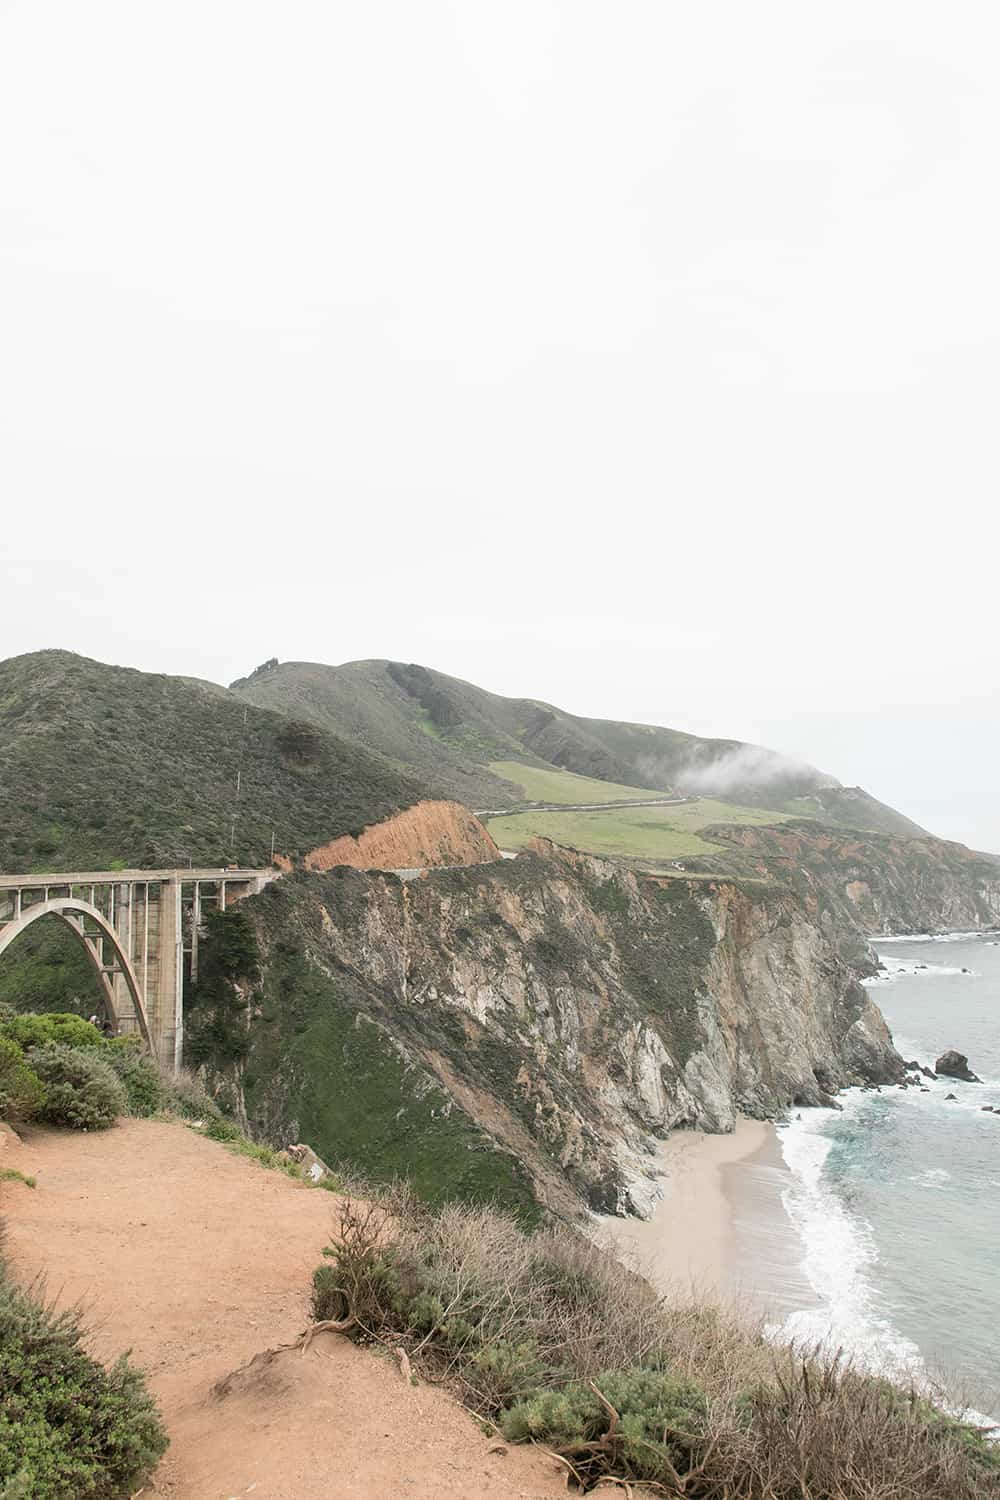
[326, 1325]
[612, 1413]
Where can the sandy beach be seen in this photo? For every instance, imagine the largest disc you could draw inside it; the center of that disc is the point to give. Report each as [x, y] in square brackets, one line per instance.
[720, 1229]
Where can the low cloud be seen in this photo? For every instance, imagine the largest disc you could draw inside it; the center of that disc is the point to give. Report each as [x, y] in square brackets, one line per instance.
[748, 767]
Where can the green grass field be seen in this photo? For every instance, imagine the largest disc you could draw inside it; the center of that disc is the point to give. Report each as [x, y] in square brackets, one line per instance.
[541, 785]
[647, 833]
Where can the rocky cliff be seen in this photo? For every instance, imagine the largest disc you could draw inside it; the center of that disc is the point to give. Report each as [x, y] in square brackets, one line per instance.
[526, 1029]
[878, 883]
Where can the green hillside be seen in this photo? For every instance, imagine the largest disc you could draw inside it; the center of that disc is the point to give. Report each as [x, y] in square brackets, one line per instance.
[652, 835]
[542, 785]
[450, 733]
[364, 702]
[104, 766]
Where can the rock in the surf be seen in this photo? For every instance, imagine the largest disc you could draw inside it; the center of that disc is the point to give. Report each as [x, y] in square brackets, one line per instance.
[955, 1065]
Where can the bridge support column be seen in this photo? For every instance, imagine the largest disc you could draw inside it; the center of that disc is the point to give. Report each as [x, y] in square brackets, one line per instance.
[167, 1020]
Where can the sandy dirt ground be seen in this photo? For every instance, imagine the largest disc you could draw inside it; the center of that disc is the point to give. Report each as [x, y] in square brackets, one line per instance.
[197, 1260]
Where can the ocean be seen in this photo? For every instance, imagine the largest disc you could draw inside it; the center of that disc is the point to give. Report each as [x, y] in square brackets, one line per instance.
[896, 1198]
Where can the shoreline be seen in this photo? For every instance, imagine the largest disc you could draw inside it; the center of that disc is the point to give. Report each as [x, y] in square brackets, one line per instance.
[720, 1229]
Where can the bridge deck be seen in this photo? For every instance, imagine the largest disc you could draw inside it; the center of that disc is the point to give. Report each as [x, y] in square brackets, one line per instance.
[114, 877]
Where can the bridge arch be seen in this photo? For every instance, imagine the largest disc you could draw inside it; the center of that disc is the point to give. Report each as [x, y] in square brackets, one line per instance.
[74, 914]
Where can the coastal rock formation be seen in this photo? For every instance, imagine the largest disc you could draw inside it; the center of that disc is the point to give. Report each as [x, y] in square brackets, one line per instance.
[877, 883]
[955, 1065]
[526, 1029]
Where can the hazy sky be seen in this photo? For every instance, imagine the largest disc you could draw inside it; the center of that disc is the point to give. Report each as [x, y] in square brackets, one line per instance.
[639, 356]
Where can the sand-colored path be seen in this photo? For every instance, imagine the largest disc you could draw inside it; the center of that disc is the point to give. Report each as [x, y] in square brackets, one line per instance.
[197, 1260]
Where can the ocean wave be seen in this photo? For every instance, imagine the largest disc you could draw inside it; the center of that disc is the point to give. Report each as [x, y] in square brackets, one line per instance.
[934, 1177]
[894, 969]
[933, 937]
[839, 1252]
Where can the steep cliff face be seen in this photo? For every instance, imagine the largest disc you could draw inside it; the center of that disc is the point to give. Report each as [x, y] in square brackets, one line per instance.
[880, 883]
[526, 1029]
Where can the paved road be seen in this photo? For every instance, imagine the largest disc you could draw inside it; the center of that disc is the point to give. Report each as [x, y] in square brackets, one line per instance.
[532, 807]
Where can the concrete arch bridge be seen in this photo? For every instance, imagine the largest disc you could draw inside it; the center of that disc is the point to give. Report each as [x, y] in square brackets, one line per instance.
[139, 929]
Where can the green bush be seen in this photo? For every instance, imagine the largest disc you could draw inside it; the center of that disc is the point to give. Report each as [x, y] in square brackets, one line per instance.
[81, 1091]
[638, 1424]
[39, 1031]
[21, 1091]
[69, 1428]
[138, 1073]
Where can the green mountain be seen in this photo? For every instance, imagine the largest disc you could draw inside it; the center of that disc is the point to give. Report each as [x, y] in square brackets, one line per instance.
[105, 767]
[454, 735]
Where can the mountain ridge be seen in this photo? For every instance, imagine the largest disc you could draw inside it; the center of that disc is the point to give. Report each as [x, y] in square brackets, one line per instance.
[457, 727]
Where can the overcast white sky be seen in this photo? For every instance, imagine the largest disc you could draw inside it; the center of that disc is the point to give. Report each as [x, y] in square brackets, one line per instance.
[637, 356]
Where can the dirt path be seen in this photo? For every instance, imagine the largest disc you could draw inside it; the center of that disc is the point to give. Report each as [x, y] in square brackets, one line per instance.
[197, 1260]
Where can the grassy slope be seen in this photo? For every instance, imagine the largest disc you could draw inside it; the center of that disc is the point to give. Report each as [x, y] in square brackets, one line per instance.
[452, 731]
[646, 833]
[363, 703]
[102, 764]
[539, 785]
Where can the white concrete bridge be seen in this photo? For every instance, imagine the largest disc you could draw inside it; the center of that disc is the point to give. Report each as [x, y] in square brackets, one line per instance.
[137, 927]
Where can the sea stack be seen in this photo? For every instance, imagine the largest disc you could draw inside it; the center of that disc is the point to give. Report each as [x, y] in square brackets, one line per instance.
[955, 1065]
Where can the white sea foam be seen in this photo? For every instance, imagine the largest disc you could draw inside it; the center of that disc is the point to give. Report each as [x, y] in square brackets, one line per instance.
[893, 969]
[839, 1252]
[930, 937]
[934, 1177]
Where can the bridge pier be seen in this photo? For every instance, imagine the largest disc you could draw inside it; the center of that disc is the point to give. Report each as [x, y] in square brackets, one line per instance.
[137, 927]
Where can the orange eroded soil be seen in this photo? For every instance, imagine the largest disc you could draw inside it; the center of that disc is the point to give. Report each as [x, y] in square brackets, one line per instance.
[431, 834]
[197, 1260]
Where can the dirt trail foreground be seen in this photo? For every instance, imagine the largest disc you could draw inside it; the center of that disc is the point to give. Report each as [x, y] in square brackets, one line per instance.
[197, 1260]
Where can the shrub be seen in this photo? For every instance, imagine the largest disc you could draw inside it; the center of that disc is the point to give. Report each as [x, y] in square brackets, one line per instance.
[185, 1094]
[80, 1089]
[638, 1424]
[69, 1428]
[556, 1343]
[39, 1031]
[21, 1091]
[138, 1073]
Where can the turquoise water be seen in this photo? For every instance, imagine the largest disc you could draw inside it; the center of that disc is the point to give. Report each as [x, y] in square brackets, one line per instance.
[897, 1199]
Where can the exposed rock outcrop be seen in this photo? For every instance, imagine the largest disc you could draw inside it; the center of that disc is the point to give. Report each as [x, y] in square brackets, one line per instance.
[955, 1065]
[557, 1011]
[876, 882]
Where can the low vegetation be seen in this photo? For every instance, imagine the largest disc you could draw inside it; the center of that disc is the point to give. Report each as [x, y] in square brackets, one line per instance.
[230, 1135]
[62, 1070]
[70, 1429]
[81, 1091]
[553, 1343]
